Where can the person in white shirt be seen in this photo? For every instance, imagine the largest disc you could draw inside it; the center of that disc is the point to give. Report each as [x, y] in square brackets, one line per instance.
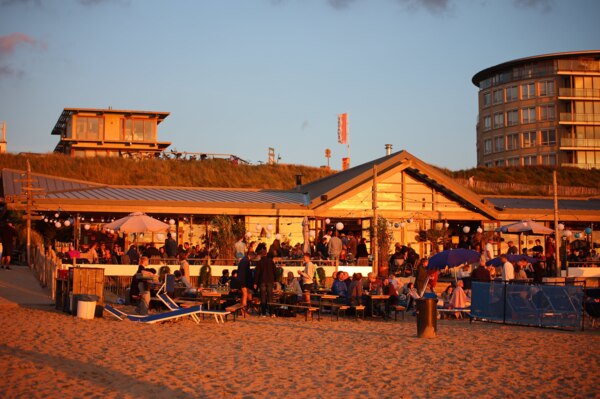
[508, 270]
[307, 277]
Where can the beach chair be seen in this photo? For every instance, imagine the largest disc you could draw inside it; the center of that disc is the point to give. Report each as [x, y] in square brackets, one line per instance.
[155, 318]
[219, 315]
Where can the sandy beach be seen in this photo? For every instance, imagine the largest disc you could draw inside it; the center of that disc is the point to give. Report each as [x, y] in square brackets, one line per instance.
[45, 353]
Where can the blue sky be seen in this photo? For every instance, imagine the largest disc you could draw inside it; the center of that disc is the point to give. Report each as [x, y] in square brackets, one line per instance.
[239, 76]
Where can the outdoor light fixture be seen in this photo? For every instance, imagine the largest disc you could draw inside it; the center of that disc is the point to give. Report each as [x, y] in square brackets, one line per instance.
[479, 230]
[339, 226]
[327, 221]
[57, 225]
[86, 226]
[466, 229]
[67, 223]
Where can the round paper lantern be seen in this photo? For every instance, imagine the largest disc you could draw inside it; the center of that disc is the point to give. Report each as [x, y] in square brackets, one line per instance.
[86, 226]
[466, 229]
[446, 225]
[479, 230]
[577, 235]
[259, 227]
[58, 225]
[402, 224]
[67, 223]
[160, 237]
[312, 233]
[396, 225]
[561, 227]
[171, 221]
[248, 234]
[327, 221]
[46, 220]
[339, 226]
[269, 227]
[588, 230]
[268, 235]
[278, 236]
[568, 233]
[91, 219]
[56, 215]
[410, 220]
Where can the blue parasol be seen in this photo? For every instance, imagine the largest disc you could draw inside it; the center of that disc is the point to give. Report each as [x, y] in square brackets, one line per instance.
[512, 258]
[453, 258]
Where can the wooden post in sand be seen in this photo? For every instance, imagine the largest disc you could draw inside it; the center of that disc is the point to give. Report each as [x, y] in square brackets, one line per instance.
[374, 246]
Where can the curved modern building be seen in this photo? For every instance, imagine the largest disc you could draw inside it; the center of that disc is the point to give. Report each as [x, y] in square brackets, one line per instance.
[542, 110]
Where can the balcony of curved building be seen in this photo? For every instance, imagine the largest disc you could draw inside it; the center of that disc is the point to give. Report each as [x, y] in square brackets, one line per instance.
[576, 144]
[568, 93]
[567, 118]
[581, 65]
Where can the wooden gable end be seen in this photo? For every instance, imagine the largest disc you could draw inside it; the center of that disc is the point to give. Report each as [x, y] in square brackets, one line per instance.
[400, 195]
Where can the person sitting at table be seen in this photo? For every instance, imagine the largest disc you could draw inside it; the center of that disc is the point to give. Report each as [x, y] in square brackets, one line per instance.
[292, 285]
[390, 289]
[355, 291]
[182, 281]
[339, 287]
[374, 284]
[224, 279]
[446, 295]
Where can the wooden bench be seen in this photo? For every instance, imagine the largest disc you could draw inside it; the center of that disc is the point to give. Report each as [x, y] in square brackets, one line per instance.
[308, 309]
[338, 308]
[360, 309]
[235, 310]
[399, 309]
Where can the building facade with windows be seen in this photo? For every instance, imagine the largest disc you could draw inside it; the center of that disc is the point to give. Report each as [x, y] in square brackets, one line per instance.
[541, 110]
[86, 132]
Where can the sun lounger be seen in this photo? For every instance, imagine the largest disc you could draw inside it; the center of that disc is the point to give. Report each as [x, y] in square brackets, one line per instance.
[155, 318]
[171, 305]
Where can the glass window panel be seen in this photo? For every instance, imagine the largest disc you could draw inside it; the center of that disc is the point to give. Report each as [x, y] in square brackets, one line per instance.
[149, 130]
[138, 130]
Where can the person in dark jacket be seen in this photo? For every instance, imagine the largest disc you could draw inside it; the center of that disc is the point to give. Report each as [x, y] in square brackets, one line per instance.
[264, 280]
[481, 273]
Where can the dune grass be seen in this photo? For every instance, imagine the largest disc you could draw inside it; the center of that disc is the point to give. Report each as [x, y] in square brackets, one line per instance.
[223, 173]
[162, 172]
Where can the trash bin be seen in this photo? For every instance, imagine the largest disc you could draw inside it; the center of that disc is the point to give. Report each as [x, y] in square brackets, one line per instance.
[426, 317]
[84, 306]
